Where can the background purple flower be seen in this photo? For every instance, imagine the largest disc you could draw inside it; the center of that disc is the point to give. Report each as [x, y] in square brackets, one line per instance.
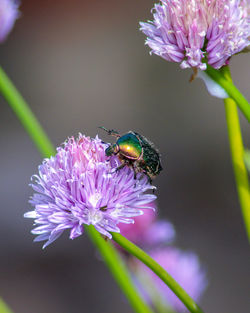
[159, 232]
[191, 32]
[8, 15]
[80, 185]
[148, 230]
[183, 267]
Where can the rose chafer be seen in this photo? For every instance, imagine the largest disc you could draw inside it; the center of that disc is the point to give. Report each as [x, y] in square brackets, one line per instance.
[135, 151]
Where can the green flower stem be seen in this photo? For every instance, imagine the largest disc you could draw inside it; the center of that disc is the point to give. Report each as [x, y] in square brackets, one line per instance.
[25, 115]
[152, 293]
[159, 271]
[39, 137]
[118, 269]
[237, 153]
[247, 159]
[109, 254]
[229, 87]
[4, 308]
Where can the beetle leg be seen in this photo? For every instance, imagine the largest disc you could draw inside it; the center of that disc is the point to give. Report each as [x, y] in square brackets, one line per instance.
[120, 167]
[150, 181]
[111, 132]
[132, 165]
[149, 178]
[125, 162]
[105, 237]
[115, 133]
[135, 173]
[103, 208]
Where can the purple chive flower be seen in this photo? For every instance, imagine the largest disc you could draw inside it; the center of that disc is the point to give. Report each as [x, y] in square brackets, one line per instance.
[183, 267]
[8, 15]
[191, 32]
[80, 185]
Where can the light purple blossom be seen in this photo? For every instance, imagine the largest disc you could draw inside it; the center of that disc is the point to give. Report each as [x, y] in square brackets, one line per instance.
[8, 15]
[183, 267]
[159, 232]
[191, 32]
[147, 230]
[79, 186]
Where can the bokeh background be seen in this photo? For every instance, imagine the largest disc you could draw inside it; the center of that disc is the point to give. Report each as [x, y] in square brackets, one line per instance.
[82, 64]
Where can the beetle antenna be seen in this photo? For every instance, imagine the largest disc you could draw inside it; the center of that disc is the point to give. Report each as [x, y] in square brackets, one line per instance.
[111, 132]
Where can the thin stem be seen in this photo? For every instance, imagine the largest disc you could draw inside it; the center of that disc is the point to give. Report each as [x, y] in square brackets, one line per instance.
[118, 269]
[247, 159]
[39, 137]
[25, 115]
[159, 271]
[237, 153]
[4, 308]
[229, 87]
[152, 293]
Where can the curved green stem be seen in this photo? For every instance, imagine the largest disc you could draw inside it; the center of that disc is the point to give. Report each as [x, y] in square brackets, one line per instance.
[237, 153]
[227, 84]
[118, 269]
[25, 115]
[39, 137]
[151, 292]
[159, 271]
[4, 308]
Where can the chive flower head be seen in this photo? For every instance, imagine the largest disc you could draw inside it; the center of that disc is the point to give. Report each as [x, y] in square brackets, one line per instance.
[192, 32]
[81, 186]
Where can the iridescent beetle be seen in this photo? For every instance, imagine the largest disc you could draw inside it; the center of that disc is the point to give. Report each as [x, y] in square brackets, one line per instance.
[136, 151]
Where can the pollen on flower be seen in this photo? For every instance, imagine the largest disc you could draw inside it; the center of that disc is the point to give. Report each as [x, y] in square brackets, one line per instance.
[80, 186]
[94, 217]
[195, 32]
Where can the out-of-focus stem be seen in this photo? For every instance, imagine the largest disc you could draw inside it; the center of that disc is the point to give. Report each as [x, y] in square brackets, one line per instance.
[159, 271]
[4, 308]
[237, 153]
[25, 115]
[118, 269]
[227, 84]
[39, 137]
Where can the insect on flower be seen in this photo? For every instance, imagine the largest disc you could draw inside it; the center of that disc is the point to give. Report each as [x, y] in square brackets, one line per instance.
[75, 188]
[135, 151]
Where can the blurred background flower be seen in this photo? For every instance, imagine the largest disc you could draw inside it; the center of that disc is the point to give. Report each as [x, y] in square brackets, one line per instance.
[147, 230]
[81, 64]
[184, 267]
[8, 15]
[155, 236]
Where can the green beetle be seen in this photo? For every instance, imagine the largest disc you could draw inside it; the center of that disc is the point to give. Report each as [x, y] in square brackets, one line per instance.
[136, 151]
